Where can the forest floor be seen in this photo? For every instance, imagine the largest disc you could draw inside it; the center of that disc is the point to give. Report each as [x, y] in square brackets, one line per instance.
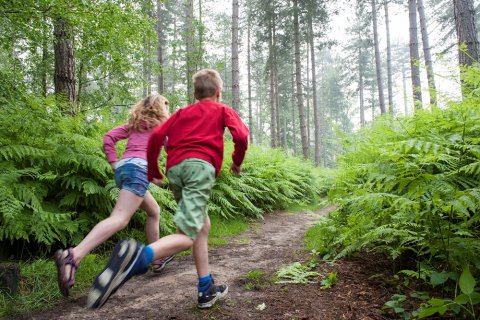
[360, 291]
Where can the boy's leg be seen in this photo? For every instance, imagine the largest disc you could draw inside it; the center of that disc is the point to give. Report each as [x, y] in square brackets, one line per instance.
[200, 250]
[208, 292]
[130, 258]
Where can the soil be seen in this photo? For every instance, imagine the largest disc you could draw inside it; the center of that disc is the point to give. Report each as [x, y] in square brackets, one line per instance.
[360, 291]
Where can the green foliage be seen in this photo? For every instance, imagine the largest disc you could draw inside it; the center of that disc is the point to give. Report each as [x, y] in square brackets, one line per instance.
[410, 187]
[296, 273]
[53, 174]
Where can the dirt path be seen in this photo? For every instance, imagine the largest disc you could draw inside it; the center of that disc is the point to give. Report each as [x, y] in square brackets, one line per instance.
[269, 244]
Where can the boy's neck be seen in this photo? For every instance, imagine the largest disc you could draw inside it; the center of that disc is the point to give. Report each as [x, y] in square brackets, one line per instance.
[213, 98]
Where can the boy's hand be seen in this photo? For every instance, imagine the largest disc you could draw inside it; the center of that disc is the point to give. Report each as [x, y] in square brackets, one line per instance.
[158, 182]
[235, 169]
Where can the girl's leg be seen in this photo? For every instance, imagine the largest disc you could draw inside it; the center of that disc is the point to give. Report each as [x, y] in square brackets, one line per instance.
[123, 211]
[200, 250]
[152, 209]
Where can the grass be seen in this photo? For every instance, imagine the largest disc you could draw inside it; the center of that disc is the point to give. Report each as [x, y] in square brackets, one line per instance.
[222, 229]
[255, 280]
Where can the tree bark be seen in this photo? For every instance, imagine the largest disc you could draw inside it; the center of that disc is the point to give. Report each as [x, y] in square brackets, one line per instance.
[235, 67]
[426, 53]
[273, 118]
[361, 87]
[160, 38]
[316, 123]
[190, 55]
[298, 78]
[414, 55]
[466, 31]
[389, 59]
[249, 84]
[64, 61]
[378, 63]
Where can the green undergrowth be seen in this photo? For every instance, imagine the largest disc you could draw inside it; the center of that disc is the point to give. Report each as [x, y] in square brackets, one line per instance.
[409, 188]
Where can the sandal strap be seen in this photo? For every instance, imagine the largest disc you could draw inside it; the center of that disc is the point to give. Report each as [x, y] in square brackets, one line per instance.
[73, 266]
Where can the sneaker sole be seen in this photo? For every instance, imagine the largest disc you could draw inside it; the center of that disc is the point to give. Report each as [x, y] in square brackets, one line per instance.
[113, 276]
[210, 303]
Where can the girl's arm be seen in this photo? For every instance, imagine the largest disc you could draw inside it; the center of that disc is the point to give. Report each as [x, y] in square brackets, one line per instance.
[110, 139]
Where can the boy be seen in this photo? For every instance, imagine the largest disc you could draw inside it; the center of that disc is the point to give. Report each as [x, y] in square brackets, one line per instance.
[194, 158]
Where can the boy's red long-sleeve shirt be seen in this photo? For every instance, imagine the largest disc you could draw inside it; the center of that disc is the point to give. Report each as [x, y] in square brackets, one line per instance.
[196, 131]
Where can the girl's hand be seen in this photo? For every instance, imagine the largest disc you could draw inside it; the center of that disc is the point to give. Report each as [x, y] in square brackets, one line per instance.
[113, 165]
[158, 182]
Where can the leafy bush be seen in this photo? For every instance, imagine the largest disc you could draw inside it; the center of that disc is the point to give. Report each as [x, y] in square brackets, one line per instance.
[410, 187]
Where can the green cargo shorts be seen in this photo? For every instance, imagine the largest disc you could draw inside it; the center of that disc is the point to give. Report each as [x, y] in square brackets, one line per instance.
[191, 182]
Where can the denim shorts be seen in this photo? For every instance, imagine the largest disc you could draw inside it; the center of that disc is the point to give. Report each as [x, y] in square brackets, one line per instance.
[131, 175]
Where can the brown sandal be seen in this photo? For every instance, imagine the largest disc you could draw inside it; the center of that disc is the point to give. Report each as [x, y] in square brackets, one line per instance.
[64, 283]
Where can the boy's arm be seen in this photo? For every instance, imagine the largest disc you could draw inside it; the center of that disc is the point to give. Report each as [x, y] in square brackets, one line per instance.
[111, 138]
[155, 143]
[239, 133]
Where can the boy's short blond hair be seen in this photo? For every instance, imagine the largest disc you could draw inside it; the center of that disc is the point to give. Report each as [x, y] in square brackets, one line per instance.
[206, 82]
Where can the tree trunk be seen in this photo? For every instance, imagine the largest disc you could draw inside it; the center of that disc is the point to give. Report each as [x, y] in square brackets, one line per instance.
[361, 87]
[273, 119]
[389, 59]
[307, 91]
[249, 78]
[426, 52]
[44, 58]
[160, 38]
[190, 55]
[147, 73]
[316, 123]
[64, 61]
[466, 31]
[404, 84]
[298, 78]
[414, 55]
[294, 125]
[235, 67]
[378, 63]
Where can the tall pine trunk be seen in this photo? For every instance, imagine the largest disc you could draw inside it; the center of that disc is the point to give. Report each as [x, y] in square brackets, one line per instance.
[466, 31]
[190, 54]
[414, 55]
[298, 79]
[235, 67]
[316, 122]
[273, 118]
[378, 62]
[426, 52]
[160, 38]
[389, 59]
[64, 79]
[249, 83]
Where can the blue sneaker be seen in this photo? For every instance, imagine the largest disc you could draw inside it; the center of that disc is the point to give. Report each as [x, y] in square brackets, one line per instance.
[215, 293]
[124, 263]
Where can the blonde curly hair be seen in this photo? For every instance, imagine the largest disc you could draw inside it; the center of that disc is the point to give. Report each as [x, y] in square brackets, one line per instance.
[148, 113]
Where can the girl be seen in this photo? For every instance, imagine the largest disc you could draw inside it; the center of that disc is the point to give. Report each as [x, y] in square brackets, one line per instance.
[131, 179]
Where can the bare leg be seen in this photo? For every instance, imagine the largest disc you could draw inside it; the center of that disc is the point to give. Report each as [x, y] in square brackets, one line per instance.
[152, 209]
[200, 250]
[123, 211]
[170, 245]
